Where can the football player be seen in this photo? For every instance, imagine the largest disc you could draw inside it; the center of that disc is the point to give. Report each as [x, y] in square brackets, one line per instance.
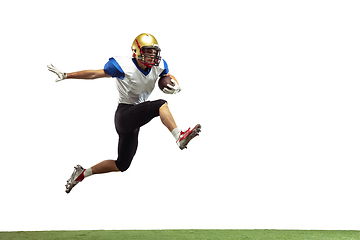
[135, 80]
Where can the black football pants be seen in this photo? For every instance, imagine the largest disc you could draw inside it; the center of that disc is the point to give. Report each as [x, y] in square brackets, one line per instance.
[128, 120]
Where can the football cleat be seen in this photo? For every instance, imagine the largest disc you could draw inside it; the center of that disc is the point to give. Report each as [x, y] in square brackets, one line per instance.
[186, 136]
[76, 177]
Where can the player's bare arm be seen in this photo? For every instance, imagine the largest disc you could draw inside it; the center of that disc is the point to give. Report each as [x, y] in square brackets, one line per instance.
[88, 74]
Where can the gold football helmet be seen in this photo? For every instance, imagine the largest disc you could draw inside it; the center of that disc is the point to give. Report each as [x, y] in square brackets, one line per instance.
[142, 42]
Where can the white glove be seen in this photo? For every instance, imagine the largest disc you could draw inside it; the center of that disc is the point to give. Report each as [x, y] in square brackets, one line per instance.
[172, 89]
[61, 75]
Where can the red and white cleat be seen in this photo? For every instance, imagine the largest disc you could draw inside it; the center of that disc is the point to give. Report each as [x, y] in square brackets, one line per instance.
[76, 177]
[186, 136]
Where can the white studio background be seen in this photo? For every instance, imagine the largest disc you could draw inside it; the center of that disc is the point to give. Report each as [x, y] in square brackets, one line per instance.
[275, 85]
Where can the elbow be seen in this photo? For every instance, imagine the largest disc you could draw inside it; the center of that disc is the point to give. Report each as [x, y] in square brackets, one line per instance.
[97, 74]
[93, 75]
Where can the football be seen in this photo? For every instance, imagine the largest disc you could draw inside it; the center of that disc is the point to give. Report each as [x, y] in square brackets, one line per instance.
[164, 81]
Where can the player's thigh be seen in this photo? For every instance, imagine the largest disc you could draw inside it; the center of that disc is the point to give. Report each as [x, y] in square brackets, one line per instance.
[142, 113]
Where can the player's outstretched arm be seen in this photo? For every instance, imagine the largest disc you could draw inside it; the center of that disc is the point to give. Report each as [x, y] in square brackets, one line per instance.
[86, 74]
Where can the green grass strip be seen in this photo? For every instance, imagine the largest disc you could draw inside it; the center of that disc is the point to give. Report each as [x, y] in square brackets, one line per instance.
[185, 234]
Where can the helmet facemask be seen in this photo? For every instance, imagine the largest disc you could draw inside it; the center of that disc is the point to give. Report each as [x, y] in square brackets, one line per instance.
[144, 57]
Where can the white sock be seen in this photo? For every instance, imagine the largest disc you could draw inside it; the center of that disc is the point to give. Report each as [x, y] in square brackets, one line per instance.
[88, 172]
[176, 133]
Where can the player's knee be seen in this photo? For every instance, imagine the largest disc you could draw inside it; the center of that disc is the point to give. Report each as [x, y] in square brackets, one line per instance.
[122, 166]
[162, 103]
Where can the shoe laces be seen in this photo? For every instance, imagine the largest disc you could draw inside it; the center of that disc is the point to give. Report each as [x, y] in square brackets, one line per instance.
[181, 132]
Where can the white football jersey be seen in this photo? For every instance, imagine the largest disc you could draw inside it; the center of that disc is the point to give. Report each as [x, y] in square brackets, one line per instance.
[136, 85]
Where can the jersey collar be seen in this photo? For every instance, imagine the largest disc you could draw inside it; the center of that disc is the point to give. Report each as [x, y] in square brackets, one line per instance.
[144, 72]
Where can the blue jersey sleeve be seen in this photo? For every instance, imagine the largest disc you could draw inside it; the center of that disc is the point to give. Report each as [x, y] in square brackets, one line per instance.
[166, 70]
[113, 68]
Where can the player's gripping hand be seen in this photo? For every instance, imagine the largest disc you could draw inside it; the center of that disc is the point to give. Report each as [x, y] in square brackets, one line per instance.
[61, 75]
[172, 89]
